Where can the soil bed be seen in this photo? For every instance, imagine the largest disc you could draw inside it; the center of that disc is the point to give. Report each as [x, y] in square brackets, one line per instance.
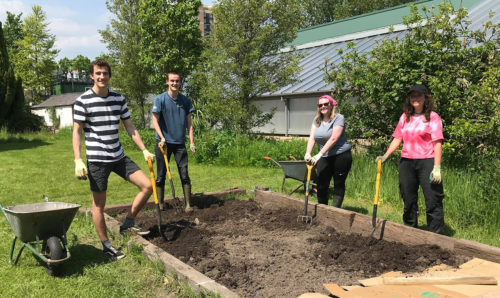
[257, 252]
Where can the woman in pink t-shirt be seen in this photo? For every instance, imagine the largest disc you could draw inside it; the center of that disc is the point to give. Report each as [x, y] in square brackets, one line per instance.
[421, 131]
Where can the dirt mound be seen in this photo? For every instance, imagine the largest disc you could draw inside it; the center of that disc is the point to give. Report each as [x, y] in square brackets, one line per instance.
[258, 252]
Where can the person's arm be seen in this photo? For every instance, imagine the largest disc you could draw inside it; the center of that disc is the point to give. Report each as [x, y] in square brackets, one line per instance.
[437, 153]
[396, 142]
[80, 168]
[156, 126]
[189, 123]
[134, 134]
[311, 142]
[77, 139]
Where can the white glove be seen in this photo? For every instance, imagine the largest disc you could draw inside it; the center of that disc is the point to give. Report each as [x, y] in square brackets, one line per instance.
[307, 157]
[80, 169]
[193, 148]
[315, 158]
[161, 143]
[435, 176]
[147, 154]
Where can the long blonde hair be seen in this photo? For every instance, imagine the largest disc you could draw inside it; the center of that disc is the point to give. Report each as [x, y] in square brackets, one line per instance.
[319, 117]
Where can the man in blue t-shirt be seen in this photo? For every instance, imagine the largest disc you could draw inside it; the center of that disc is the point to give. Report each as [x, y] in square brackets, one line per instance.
[171, 117]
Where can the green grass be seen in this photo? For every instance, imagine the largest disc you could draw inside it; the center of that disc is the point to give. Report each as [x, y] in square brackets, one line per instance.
[36, 164]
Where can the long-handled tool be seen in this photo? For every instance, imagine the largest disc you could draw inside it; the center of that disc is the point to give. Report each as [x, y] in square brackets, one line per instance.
[158, 211]
[375, 200]
[307, 218]
[176, 203]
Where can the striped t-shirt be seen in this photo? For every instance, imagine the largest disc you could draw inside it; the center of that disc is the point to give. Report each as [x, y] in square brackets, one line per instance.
[101, 116]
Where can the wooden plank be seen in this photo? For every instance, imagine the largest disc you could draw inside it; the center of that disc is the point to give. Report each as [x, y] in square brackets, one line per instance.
[384, 291]
[440, 280]
[478, 250]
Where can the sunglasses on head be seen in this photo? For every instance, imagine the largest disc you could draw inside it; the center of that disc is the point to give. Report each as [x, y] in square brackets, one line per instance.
[323, 104]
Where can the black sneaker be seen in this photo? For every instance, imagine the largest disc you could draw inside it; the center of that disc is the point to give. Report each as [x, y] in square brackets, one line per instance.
[135, 230]
[113, 253]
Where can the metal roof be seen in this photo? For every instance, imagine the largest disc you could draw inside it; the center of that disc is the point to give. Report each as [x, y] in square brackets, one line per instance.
[66, 99]
[315, 52]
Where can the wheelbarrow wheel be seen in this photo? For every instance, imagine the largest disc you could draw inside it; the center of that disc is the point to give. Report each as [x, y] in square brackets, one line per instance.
[54, 251]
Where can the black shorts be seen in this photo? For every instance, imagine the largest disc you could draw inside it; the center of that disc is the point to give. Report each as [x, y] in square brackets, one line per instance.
[99, 172]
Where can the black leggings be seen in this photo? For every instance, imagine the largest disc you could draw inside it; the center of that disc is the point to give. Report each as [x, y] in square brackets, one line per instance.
[338, 167]
[412, 174]
[181, 158]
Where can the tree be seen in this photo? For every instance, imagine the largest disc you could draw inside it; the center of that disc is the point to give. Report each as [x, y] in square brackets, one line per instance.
[65, 65]
[14, 114]
[170, 39]
[318, 12]
[13, 31]
[82, 64]
[461, 67]
[242, 61]
[34, 60]
[123, 39]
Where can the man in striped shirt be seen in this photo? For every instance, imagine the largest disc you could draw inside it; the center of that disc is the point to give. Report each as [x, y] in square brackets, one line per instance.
[98, 112]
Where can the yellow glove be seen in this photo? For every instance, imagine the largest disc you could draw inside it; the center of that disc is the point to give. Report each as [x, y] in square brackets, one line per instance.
[193, 148]
[435, 175]
[80, 169]
[381, 158]
[315, 158]
[147, 154]
[161, 143]
[307, 157]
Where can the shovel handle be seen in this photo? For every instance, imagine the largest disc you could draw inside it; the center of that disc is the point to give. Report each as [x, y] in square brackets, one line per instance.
[152, 175]
[377, 184]
[166, 163]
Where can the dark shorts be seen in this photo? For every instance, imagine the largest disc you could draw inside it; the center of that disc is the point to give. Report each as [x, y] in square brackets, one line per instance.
[99, 172]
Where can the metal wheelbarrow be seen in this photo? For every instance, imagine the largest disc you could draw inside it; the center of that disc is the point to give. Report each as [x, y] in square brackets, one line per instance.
[42, 227]
[294, 169]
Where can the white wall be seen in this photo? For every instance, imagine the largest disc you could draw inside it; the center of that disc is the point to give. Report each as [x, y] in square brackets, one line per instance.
[300, 115]
[65, 113]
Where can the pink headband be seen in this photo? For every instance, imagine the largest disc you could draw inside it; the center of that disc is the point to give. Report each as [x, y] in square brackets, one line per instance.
[330, 99]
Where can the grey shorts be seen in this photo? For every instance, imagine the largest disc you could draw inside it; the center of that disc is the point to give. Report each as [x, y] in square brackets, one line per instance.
[99, 172]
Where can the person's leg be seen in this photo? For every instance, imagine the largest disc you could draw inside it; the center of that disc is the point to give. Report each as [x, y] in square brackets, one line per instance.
[161, 171]
[341, 168]
[434, 195]
[98, 204]
[129, 170]
[181, 158]
[408, 187]
[139, 179]
[324, 176]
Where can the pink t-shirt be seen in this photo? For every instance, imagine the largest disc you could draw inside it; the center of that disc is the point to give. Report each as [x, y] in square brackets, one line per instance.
[418, 135]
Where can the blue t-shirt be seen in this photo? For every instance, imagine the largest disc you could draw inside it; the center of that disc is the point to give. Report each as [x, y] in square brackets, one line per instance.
[172, 117]
[324, 132]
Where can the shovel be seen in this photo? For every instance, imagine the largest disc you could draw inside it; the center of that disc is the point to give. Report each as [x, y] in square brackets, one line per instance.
[306, 218]
[158, 211]
[175, 201]
[375, 200]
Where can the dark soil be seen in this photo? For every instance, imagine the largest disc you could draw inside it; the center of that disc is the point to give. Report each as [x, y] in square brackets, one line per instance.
[258, 252]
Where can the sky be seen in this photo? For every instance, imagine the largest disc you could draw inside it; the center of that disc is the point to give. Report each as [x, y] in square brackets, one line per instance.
[75, 23]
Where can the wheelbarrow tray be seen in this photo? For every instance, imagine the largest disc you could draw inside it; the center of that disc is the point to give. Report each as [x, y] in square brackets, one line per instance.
[296, 169]
[40, 220]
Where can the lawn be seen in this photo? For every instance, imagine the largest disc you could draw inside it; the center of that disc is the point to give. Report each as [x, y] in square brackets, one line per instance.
[35, 164]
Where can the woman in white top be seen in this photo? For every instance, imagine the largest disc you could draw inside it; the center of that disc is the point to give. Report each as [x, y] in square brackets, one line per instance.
[334, 158]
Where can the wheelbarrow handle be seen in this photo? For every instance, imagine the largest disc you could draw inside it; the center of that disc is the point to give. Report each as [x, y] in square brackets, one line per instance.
[268, 158]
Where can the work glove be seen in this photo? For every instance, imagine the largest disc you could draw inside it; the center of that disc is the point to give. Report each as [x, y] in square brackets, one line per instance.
[307, 157]
[80, 169]
[148, 154]
[435, 176]
[381, 158]
[161, 144]
[315, 158]
[193, 148]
